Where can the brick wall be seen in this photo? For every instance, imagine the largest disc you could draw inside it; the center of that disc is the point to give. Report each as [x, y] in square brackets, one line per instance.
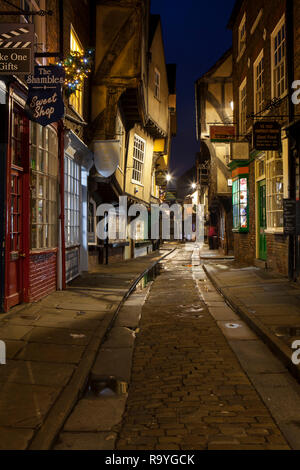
[260, 39]
[42, 275]
[277, 250]
[245, 244]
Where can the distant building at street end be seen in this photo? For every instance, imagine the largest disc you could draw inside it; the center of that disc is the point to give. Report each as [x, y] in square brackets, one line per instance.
[215, 131]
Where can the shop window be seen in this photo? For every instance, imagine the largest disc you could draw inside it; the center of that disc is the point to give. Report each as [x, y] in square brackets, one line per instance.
[44, 186]
[72, 202]
[274, 180]
[92, 223]
[278, 40]
[240, 204]
[76, 99]
[259, 84]
[138, 159]
[17, 131]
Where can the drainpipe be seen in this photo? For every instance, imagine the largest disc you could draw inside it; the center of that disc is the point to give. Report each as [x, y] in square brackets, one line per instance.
[293, 258]
[62, 243]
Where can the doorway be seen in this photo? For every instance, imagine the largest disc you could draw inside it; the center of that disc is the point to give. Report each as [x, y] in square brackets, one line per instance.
[14, 284]
[262, 220]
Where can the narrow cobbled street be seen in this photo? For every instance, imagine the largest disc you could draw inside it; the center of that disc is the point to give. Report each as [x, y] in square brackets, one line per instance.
[188, 389]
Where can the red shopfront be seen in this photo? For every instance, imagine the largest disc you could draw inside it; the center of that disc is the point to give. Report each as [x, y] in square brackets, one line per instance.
[32, 208]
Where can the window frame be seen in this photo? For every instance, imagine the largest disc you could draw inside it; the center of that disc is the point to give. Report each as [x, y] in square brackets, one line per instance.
[92, 236]
[260, 60]
[271, 177]
[120, 135]
[138, 164]
[243, 110]
[72, 198]
[157, 84]
[76, 99]
[236, 202]
[45, 179]
[242, 43]
[274, 34]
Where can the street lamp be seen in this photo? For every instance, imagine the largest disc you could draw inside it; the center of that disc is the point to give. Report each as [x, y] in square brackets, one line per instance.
[168, 177]
[194, 186]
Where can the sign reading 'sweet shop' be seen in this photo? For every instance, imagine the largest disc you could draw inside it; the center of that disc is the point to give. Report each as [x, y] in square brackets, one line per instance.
[44, 102]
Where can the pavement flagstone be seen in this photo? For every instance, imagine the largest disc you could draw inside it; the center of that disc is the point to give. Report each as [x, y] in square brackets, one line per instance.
[51, 347]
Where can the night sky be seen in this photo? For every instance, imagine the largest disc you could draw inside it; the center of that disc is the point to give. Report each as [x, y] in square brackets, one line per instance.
[195, 36]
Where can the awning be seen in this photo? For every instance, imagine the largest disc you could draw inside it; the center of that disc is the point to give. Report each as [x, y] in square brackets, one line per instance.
[106, 156]
[77, 149]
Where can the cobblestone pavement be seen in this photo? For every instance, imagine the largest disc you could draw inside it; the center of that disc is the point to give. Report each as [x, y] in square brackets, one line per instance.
[188, 390]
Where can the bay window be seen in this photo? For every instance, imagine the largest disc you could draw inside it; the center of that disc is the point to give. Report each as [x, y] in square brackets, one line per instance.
[44, 186]
[274, 181]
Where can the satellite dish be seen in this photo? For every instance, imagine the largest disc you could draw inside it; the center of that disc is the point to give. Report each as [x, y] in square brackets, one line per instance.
[106, 156]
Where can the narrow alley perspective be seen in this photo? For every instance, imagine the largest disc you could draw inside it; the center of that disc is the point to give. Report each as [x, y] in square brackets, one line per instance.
[200, 378]
[150, 230]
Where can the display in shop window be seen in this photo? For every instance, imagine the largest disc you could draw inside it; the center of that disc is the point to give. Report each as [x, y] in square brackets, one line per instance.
[240, 204]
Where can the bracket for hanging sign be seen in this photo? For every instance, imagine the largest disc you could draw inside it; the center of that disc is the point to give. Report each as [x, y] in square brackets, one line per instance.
[26, 13]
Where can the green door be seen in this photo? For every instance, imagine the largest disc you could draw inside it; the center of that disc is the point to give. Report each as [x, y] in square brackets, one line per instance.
[262, 219]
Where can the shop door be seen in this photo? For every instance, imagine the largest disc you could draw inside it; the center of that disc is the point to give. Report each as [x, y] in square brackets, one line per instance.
[262, 220]
[15, 272]
[14, 285]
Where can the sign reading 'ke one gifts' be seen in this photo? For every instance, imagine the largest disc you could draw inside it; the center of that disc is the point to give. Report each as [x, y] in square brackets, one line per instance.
[45, 102]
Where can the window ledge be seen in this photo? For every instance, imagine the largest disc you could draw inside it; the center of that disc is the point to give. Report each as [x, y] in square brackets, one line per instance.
[275, 231]
[241, 53]
[42, 251]
[80, 117]
[137, 183]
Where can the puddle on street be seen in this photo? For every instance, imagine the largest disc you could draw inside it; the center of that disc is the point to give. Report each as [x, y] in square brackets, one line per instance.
[105, 387]
[150, 276]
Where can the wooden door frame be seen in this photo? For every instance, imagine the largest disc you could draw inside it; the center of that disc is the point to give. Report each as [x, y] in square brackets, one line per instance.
[259, 184]
[25, 181]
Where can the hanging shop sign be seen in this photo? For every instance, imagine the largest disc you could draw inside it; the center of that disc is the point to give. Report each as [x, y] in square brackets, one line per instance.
[161, 178]
[16, 48]
[239, 150]
[267, 135]
[45, 102]
[291, 217]
[222, 133]
[170, 196]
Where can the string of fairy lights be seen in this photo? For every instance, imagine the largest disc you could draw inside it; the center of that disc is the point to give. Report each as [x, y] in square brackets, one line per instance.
[77, 67]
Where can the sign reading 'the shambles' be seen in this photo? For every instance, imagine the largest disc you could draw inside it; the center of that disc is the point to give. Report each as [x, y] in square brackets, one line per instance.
[267, 135]
[45, 103]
